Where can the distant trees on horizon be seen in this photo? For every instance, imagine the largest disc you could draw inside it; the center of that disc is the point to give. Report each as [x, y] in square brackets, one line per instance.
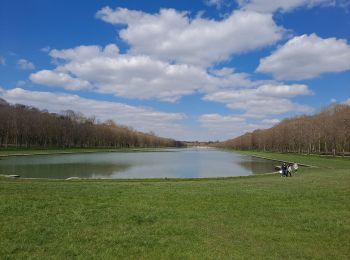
[327, 132]
[26, 126]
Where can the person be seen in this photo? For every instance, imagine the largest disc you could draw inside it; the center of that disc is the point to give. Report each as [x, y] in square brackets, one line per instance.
[295, 167]
[284, 169]
[289, 170]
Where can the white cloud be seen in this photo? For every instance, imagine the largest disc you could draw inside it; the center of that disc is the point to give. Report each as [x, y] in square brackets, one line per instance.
[85, 52]
[270, 6]
[105, 70]
[217, 3]
[223, 71]
[284, 91]
[347, 102]
[140, 118]
[262, 101]
[24, 64]
[307, 56]
[217, 119]
[173, 36]
[58, 79]
[224, 127]
[272, 121]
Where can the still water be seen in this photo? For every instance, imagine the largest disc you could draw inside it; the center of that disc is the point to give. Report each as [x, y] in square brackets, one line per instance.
[172, 163]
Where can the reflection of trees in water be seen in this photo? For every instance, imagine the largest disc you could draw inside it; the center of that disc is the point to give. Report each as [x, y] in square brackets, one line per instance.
[64, 170]
[258, 166]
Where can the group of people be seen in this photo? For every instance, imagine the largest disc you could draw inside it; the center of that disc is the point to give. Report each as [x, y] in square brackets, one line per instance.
[288, 169]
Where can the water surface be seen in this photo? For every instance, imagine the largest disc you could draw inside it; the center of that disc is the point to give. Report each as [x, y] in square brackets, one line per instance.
[173, 163]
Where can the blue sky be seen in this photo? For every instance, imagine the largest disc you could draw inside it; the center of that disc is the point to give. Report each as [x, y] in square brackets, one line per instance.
[191, 70]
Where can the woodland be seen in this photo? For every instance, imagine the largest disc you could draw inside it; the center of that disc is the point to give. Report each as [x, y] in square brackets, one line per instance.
[26, 126]
[327, 132]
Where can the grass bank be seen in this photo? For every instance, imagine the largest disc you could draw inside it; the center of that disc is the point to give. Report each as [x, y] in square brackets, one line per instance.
[321, 161]
[306, 216]
[40, 151]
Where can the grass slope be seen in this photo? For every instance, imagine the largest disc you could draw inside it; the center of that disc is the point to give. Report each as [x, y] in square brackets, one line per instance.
[306, 216]
[314, 160]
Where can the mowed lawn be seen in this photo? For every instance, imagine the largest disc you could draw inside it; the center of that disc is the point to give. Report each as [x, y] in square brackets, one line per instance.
[306, 216]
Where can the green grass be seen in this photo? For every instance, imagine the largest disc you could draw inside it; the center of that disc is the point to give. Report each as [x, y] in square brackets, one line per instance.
[314, 160]
[303, 217]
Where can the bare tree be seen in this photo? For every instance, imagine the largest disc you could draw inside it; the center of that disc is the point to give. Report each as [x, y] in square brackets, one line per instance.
[327, 132]
[24, 126]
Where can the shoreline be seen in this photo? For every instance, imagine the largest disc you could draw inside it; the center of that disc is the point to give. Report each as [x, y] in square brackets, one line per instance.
[77, 151]
[73, 178]
[299, 164]
[252, 154]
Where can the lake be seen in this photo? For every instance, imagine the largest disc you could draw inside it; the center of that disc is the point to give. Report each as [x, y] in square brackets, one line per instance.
[167, 163]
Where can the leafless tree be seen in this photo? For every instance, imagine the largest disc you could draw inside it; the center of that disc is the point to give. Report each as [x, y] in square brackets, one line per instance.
[24, 126]
[327, 132]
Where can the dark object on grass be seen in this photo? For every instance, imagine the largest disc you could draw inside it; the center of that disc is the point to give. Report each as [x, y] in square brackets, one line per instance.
[284, 170]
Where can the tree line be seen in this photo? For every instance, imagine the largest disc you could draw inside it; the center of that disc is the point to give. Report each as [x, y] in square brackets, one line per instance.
[26, 126]
[327, 132]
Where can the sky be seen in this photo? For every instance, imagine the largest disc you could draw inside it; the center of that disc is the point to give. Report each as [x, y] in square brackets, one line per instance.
[190, 70]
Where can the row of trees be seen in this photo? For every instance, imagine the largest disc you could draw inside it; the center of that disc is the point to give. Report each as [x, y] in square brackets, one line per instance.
[327, 132]
[23, 126]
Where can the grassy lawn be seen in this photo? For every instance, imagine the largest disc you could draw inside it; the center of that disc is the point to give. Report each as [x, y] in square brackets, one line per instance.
[303, 217]
[314, 160]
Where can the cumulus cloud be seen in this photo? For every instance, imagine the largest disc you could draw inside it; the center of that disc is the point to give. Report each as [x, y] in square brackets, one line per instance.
[85, 52]
[228, 126]
[24, 64]
[281, 5]
[140, 118]
[284, 91]
[263, 101]
[216, 122]
[105, 70]
[171, 35]
[223, 127]
[58, 79]
[306, 57]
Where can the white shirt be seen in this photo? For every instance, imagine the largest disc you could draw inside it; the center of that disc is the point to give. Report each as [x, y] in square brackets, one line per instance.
[295, 166]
